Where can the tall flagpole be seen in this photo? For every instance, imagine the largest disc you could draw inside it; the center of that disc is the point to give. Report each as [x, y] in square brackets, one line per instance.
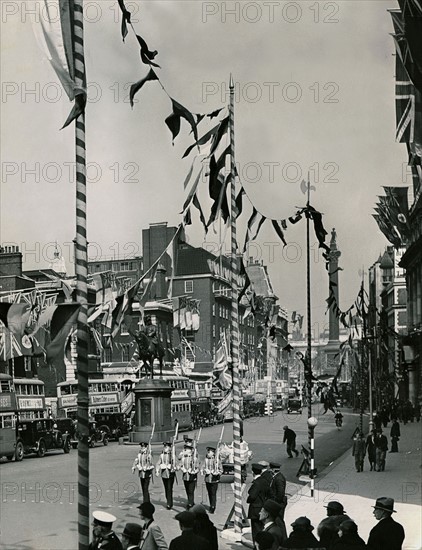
[81, 269]
[308, 374]
[238, 513]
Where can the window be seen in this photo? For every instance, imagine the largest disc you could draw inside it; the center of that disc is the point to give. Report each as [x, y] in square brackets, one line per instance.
[213, 310]
[126, 266]
[125, 354]
[189, 287]
[107, 355]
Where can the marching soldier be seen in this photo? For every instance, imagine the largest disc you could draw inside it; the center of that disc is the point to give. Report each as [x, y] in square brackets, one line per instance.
[167, 469]
[212, 471]
[143, 462]
[189, 465]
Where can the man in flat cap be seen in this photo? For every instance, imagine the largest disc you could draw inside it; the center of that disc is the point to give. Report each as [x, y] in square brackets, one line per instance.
[301, 536]
[143, 463]
[166, 468]
[212, 471]
[131, 536]
[278, 488]
[258, 493]
[189, 465]
[152, 537]
[188, 540]
[328, 527]
[387, 534]
[104, 538]
[267, 515]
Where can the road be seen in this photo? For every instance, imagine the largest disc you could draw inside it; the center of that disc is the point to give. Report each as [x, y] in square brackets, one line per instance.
[39, 495]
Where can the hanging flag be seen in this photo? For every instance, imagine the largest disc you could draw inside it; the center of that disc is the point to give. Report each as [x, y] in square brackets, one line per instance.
[102, 283]
[215, 135]
[256, 220]
[188, 314]
[217, 187]
[134, 89]
[195, 314]
[53, 28]
[279, 231]
[63, 318]
[247, 282]
[182, 312]
[225, 403]
[15, 317]
[147, 55]
[173, 121]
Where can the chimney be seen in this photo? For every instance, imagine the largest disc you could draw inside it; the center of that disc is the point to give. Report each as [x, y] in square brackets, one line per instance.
[160, 283]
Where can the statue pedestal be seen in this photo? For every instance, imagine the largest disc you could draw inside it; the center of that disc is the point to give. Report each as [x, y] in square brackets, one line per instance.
[152, 405]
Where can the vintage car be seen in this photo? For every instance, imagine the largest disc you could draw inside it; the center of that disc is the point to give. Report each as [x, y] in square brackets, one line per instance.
[98, 434]
[115, 423]
[294, 406]
[68, 426]
[42, 435]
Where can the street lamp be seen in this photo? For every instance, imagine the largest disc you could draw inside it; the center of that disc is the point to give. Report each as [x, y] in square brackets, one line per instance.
[312, 422]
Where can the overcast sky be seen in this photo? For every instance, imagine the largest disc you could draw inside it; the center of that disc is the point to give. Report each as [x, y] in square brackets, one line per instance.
[315, 92]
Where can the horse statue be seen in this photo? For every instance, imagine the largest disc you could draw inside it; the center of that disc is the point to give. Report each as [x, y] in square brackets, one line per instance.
[148, 351]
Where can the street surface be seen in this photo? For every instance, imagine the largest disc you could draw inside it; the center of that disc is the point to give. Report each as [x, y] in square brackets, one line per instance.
[39, 495]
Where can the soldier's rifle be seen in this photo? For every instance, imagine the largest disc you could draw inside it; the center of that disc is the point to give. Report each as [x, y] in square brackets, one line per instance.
[173, 450]
[217, 454]
[195, 449]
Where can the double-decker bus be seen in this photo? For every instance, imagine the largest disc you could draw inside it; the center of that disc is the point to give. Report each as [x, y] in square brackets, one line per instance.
[20, 399]
[106, 395]
[181, 406]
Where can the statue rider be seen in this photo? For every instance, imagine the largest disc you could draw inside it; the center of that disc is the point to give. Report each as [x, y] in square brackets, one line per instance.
[150, 331]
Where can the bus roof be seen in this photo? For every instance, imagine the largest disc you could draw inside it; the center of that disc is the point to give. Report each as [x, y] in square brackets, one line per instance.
[5, 376]
[28, 381]
[93, 380]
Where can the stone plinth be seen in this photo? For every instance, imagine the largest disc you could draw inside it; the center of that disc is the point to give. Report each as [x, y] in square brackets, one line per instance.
[152, 405]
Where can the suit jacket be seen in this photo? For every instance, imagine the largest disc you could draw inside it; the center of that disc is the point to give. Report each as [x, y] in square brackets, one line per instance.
[153, 538]
[109, 542]
[386, 535]
[189, 541]
[277, 533]
[258, 493]
[278, 488]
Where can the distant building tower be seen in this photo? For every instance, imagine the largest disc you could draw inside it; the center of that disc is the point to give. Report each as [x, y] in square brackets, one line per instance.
[333, 345]
[58, 264]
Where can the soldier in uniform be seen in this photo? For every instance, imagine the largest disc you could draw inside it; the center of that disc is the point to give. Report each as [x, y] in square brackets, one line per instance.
[104, 538]
[212, 471]
[151, 330]
[167, 469]
[143, 462]
[189, 465]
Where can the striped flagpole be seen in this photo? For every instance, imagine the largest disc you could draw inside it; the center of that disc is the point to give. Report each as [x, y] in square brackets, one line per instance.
[238, 512]
[312, 463]
[81, 268]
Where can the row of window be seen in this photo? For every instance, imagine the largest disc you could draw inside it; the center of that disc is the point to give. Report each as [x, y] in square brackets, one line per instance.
[7, 421]
[180, 407]
[98, 387]
[116, 266]
[5, 386]
[29, 389]
[179, 384]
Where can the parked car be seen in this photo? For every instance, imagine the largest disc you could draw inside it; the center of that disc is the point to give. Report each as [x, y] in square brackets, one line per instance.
[294, 406]
[42, 435]
[68, 426]
[115, 423]
[98, 434]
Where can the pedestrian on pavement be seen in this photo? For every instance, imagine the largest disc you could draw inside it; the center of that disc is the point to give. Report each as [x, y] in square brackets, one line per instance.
[143, 463]
[203, 526]
[301, 536]
[387, 534]
[131, 536]
[189, 464]
[152, 537]
[381, 448]
[267, 516]
[348, 537]
[104, 537]
[328, 527]
[377, 421]
[264, 541]
[278, 489]
[370, 447]
[212, 471]
[258, 493]
[166, 468]
[188, 540]
[395, 436]
[359, 448]
[290, 439]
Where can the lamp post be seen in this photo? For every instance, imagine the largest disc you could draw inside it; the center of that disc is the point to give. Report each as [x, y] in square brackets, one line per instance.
[312, 422]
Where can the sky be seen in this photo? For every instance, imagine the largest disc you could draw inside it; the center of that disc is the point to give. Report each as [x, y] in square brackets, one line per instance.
[314, 93]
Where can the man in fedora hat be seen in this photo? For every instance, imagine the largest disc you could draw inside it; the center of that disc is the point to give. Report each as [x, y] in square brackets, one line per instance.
[258, 493]
[104, 538]
[152, 537]
[301, 536]
[268, 514]
[131, 536]
[278, 488]
[188, 540]
[387, 534]
[328, 527]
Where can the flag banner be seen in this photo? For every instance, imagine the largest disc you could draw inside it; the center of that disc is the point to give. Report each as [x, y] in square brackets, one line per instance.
[256, 219]
[279, 231]
[182, 312]
[245, 278]
[134, 89]
[225, 403]
[62, 321]
[15, 317]
[103, 289]
[211, 115]
[188, 315]
[53, 28]
[147, 55]
[173, 121]
[215, 135]
[217, 186]
[195, 314]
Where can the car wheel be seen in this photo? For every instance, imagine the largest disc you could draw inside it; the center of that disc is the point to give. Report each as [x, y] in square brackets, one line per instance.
[66, 447]
[41, 448]
[19, 451]
[105, 441]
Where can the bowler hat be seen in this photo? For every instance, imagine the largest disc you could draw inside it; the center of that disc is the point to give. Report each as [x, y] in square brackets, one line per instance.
[335, 506]
[303, 521]
[264, 463]
[103, 518]
[185, 518]
[285, 427]
[147, 509]
[198, 510]
[275, 465]
[257, 468]
[272, 507]
[133, 531]
[348, 526]
[385, 503]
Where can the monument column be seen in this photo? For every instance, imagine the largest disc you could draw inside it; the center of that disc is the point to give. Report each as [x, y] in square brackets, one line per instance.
[333, 345]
